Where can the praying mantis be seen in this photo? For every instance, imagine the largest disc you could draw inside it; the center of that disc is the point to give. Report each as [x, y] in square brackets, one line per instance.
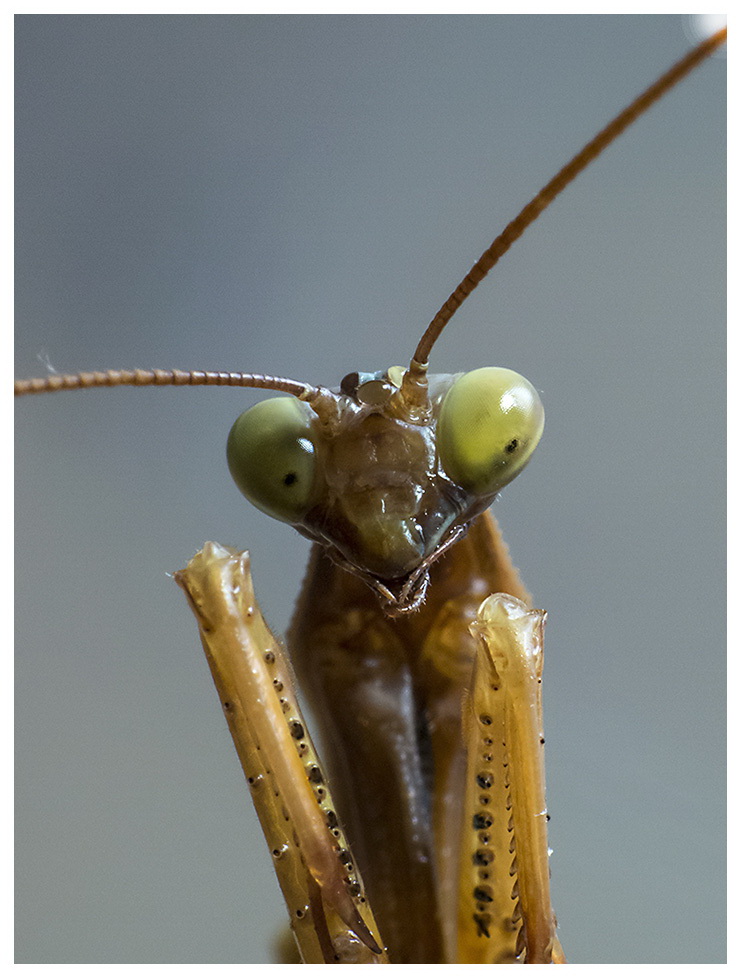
[593, 535]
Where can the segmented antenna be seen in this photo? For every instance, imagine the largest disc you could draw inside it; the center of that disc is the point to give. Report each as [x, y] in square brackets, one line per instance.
[538, 204]
[411, 400]
[162, 378]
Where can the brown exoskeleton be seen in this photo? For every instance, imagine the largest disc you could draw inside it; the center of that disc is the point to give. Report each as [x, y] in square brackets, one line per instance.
[301, 374]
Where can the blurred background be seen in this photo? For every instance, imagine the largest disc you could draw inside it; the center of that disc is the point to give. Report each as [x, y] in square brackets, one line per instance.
[298, 195]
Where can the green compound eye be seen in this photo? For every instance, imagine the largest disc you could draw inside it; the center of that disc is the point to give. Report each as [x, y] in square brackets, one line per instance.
[272, 457]
[490, 422]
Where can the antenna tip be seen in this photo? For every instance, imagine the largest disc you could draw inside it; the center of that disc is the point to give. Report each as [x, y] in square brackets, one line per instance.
[701, 27]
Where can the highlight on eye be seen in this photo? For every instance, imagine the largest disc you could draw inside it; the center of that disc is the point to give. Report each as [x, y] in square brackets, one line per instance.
[272, 457]
[490, 423]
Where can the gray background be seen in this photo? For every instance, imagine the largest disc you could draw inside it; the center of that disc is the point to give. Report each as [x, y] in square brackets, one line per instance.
[298, 196]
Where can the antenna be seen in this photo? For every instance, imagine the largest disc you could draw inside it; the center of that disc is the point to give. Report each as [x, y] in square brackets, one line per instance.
[161, 378]
[538, 204]
[323, 402]
[411, 400]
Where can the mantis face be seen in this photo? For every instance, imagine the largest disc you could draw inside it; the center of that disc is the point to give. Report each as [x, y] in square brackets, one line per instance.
[385, 491]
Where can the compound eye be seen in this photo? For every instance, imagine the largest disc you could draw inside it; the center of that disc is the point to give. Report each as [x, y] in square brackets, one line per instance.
[491, 419]
[272, 457]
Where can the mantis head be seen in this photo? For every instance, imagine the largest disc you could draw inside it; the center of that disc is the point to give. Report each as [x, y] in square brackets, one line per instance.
[386, 475]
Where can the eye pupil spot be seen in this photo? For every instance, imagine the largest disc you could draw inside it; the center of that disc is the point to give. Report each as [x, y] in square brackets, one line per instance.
[490, 421]
[272, 457]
